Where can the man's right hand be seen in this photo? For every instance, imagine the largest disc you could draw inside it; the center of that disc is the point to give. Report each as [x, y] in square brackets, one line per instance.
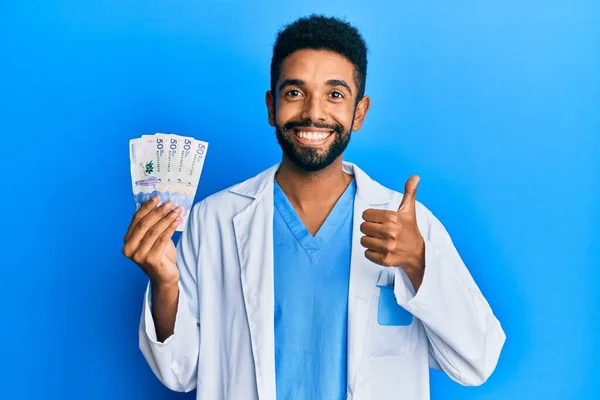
[148, 241]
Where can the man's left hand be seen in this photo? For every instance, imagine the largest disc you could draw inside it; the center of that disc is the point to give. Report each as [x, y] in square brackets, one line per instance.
[392, 238]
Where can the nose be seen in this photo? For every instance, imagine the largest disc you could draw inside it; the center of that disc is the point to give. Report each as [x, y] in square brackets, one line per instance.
[314, 109]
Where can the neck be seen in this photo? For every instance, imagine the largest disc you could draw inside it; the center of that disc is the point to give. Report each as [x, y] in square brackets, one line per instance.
[306, 189]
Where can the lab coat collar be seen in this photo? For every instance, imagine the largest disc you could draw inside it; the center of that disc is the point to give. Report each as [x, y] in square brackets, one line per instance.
[370, 191]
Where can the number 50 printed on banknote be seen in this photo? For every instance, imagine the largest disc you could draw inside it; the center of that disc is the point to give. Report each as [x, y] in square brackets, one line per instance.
[167, 165]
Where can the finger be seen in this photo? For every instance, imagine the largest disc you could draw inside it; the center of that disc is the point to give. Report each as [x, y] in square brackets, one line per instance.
[410, 194]
[165, 237]
[376, 257]
[374, 229]
[373, 243]
[145, 223]
[139, 214]
[379, 216]
[154, 232]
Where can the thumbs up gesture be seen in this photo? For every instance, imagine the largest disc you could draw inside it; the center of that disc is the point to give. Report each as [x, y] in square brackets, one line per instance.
[392, 238]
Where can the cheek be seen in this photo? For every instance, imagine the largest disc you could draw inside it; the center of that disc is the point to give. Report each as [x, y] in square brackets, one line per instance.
[344, 117]
[285, 112]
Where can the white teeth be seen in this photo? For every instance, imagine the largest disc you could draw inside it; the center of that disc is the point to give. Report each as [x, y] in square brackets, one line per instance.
[313, 135]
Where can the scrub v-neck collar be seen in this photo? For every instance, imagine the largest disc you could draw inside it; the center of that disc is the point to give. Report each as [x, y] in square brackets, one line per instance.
[313, 244]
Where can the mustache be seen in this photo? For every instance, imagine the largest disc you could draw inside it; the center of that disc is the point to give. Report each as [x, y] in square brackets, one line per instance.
[309, 124]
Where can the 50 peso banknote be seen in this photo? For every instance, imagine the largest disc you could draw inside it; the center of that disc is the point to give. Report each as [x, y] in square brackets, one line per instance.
[167, 165]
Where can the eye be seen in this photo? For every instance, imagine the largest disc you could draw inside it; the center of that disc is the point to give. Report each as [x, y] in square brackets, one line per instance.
[337, 95]
[293, 93]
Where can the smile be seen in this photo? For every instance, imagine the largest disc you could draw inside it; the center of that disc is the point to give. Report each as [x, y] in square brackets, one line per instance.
[312, 137]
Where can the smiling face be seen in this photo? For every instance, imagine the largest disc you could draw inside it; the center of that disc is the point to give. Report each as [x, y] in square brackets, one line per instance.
[314, 109]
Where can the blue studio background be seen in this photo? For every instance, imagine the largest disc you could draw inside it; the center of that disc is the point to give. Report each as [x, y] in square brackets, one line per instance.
[494, 103]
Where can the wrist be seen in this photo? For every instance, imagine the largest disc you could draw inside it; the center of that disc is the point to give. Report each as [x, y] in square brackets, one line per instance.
[165, 290]
[419, 262]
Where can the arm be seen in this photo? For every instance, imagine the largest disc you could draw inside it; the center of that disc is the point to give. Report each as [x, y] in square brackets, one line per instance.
[464, 335]
[169, 325]
[164, 309]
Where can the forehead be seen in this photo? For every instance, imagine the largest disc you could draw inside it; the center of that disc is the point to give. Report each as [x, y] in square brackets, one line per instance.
[316, 67]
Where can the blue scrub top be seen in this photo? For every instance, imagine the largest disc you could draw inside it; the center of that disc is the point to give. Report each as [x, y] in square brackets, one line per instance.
[311, 278]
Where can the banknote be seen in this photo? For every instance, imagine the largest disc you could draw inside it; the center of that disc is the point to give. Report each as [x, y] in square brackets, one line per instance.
[167, 165]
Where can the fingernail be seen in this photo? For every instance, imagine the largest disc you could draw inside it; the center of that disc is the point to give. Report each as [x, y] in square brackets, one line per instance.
[178, 209]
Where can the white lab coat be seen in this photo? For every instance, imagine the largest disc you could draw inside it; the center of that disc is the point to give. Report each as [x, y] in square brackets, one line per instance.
[223, 343]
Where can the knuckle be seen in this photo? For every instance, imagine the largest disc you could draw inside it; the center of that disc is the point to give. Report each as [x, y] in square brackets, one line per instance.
[151, 259]
[139, 214]
[137, 258]
[126, 251]
[142, 223]
[162, 239]
[386, 245]
[388, 227]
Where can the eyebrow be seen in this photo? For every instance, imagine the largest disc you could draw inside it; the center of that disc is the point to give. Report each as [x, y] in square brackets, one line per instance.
[291, 82]
[339, 82]
[299, 82]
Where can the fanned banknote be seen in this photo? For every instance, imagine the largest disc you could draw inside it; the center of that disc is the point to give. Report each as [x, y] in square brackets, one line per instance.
[167, 165]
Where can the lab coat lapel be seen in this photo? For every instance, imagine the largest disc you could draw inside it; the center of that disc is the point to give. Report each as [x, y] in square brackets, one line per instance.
[363, 273]
[254, 239]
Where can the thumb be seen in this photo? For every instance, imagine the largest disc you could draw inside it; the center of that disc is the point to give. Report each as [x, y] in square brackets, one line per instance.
[410, 194]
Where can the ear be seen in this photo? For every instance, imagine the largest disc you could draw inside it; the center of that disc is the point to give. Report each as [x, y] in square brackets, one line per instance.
[361, 112]
[270, 107]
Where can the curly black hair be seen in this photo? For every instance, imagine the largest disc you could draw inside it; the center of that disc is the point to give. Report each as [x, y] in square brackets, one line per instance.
[319, 32]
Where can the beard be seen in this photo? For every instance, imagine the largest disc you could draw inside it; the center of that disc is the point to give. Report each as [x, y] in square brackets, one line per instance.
[306, 158]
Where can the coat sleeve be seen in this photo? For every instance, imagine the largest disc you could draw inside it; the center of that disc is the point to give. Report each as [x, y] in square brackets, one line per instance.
[175, 361]
[465, 338]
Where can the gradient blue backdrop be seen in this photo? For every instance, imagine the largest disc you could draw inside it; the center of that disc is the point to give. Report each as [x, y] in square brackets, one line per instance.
[495, 104]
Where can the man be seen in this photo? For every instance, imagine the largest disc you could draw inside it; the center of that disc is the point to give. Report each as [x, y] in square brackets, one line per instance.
[310, 280]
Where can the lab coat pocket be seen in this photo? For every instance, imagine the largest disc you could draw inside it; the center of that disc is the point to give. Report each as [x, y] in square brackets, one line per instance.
[393, 330]
[389, 312]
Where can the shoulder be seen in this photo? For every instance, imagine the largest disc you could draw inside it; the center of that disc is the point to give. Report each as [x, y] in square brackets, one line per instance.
[228, 202]
[221, 204]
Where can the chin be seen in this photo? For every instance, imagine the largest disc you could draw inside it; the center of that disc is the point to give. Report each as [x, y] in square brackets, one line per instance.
[312, 159]
[310, 163]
